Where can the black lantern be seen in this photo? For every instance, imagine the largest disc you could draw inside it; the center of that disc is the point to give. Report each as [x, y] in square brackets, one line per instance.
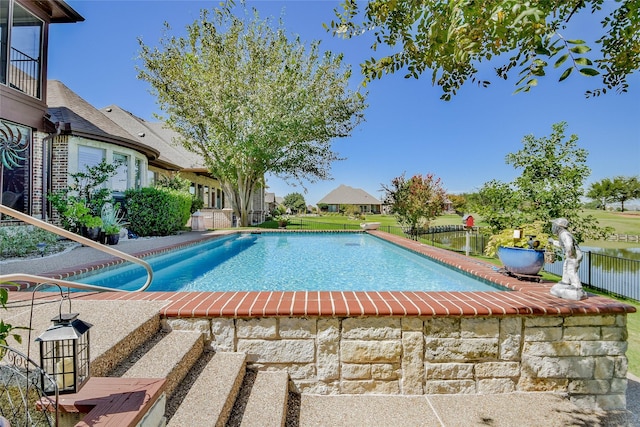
[64, 353]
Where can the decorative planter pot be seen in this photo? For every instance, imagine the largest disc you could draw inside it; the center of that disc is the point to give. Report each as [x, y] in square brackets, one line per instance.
[521, 260]
[92, 233]
[113, 239]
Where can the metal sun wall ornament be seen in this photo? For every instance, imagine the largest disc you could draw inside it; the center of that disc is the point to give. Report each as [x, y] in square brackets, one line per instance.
[13, 149]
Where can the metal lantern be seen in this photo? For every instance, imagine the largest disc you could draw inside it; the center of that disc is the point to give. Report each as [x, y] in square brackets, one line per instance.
[64, 353]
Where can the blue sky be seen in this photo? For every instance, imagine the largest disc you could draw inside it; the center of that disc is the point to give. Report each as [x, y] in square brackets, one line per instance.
[407, 128]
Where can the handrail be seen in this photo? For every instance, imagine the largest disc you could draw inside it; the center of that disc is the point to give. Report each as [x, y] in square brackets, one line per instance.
[83, 240]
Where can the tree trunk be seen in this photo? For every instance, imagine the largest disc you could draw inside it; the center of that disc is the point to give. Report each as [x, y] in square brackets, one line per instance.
[240, 195]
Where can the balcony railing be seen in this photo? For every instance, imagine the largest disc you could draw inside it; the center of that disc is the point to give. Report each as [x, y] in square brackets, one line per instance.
[24, 73]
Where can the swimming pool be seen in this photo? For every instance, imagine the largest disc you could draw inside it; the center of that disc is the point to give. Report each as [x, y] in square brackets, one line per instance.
[292, 262]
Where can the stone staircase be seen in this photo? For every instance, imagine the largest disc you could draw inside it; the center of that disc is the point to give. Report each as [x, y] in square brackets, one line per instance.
[202, 388]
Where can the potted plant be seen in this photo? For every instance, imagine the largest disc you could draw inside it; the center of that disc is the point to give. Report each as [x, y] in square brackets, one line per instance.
[90, 226]
[112, 223]
[521, 250]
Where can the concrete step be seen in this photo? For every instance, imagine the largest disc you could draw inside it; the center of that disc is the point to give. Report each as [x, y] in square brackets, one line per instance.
[211, 397]
[267, 404]
[171, 358]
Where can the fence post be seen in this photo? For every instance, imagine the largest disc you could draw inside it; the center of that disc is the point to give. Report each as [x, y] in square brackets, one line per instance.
[589, 268]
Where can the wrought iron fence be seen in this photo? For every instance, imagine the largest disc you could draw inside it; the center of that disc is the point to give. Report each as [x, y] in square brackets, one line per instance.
[24, 73]
[609, 274]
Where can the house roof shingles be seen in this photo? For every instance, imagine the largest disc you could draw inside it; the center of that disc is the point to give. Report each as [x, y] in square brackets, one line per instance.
[345, 195]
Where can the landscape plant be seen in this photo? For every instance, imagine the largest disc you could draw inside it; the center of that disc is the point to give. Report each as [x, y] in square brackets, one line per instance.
[553, 172]
[415, 201]
[21, 241]
[250, 101]
[295, 202]
[157, 211]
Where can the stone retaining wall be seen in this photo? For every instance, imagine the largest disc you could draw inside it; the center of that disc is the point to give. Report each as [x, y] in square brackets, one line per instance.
[582, 356]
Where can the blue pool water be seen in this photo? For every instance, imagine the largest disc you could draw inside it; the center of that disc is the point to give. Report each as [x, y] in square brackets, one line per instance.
[291, 262]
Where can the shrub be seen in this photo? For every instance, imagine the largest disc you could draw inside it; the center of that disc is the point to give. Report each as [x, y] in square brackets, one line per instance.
[21, 241]
[505, 238]
[157, 211]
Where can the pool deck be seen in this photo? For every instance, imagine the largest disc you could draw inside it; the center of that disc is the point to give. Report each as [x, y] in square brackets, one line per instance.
[529, 299]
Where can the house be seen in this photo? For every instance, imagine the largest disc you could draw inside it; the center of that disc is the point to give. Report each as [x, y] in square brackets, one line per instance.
[345, 195]
[25, 126]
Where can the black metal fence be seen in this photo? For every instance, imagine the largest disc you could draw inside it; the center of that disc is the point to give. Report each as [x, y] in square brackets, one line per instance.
[609, 274]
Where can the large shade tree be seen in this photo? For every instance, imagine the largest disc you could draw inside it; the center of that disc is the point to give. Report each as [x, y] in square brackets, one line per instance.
[251, 101]
[450, 38]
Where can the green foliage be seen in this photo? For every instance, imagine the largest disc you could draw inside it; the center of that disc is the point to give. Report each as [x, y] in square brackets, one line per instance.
[157, 211]
[625, 188]
[6, 329]
[174, 182]
[81, 201]
[196, 204]
[20, 241]
[459, 202]
[250, 101]
[549, 187]
[112, 219]
[505, 238]
[602, 192]
[416, 201]
[295, 202]
[451, 37]
[352, 211]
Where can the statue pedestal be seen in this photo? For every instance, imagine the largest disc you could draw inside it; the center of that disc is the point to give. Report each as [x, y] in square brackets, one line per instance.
[564, 291]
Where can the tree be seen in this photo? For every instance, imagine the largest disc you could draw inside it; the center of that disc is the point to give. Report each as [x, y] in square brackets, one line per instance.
[602, 191]
[625, 188]
[451, 37]
[295, 202]
[549, 187]
[416, 201]
[250, 101]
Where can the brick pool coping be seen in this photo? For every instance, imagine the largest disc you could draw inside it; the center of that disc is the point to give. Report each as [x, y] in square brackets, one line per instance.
[526, 298]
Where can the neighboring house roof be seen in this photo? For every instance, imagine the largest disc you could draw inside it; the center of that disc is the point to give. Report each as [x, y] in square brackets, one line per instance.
[172, 155]
[269, 197]
[345, 195]
[84, 120]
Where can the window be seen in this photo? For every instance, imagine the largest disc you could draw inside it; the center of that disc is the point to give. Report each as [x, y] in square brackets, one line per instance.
[89, 157]
[20, 48]
[138, 174]
[120, 181]
[15, 141]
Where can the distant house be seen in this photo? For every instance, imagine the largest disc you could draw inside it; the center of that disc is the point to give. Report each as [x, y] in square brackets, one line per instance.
[345, 195]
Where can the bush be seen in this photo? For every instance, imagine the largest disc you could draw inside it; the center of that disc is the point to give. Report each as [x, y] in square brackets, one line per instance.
[157, 211]
[21, 241]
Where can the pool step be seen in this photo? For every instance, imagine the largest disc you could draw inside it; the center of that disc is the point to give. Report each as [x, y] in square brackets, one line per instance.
[267, 404]
[171, 358]
[211, 396]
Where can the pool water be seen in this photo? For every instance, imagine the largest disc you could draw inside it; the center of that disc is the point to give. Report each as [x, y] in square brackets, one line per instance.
[292, 262]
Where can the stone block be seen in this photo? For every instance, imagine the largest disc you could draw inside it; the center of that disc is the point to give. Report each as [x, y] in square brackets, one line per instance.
[460, 350]
[412, 324]
[328, 349]
[450, 387]
[412, 362]
[371, 351]
[618, 385]
[191, 324]
[301, 371]
[296, 327]
[496, 386]
[621, 320]
[510, 326]
[528, 383]
[604, 368]
[442, 327]
[352, 371]
[281, 351]
[542, 321]
[223, 334]
[604, 320]
[384, 371]
[620, 367]
[257, 328]
[614, 333]
[560, 348]
[481, 327]
[371, 328]
[582, 333]
[603, 348]
[559, 367]
[611, 402]
[369, 387]
[497, 370]
[510, 347]
[448, 371]
[543, 334]
[588, 387]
